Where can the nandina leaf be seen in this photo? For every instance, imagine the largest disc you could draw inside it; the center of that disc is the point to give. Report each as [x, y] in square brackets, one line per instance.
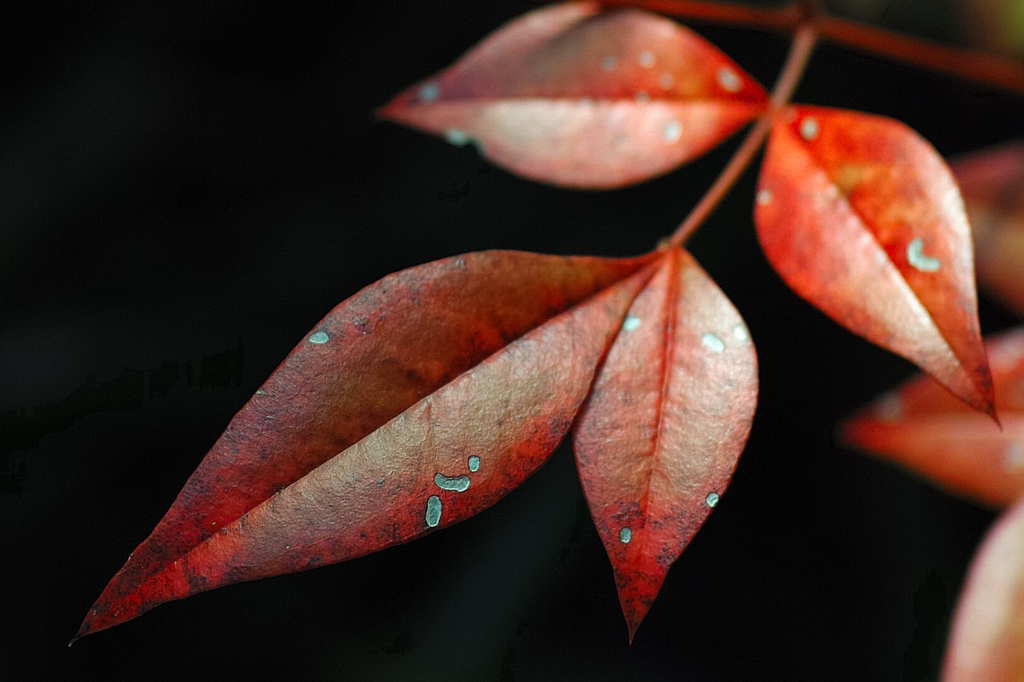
[987, 639]
[375, 355]
[921, 426]
[992, 182]
[572, 97]
[659, 437]
[860, 216]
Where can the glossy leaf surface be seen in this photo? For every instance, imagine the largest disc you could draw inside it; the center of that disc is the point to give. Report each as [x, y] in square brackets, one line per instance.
[577, 98]
[922, 427]
[987, 640]
[862, 218]
[992, 182]
[659, 437]
[374, 356]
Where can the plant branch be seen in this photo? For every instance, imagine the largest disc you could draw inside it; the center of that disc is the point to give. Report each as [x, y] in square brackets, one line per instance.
[985, 68]
[799, 53]
[968, 64]
[783, 19]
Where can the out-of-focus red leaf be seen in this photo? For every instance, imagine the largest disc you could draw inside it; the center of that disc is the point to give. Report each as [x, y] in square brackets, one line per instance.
[922, 427]
[987, 641]
[572, 97]
[992, 182]
[663, 428]
[861, 217]
[369, 361]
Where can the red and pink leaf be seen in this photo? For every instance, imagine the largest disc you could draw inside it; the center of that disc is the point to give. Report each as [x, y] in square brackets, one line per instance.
[659, 437]
[861, 217]
[387, 349]
[578, 98]
[987, 640]
[922, 427]
[992, 182]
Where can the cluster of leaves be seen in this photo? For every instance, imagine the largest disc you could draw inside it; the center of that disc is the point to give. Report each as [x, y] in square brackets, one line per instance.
[431, 394]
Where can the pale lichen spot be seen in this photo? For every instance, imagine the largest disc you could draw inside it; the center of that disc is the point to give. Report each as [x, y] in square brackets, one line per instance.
[672, 132]
[642, 96]
[646, 59]
[609, 63]
[319, 337]
[764, 197]
[261, 392]
[666, 81]
[625, 535]
[712, 343]
[889, 407]
[433, 515]
[1013, 457]
[474, 463]
[459, 484]
[739, 332]
[630, 323]
[728, 79]
[917, 258]
[809, 128]
[711, 500]
[459, 138]
[430, 92]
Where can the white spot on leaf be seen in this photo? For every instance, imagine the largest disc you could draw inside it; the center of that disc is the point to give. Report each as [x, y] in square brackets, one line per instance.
[666, 80]
[430, 92]
[631, 323]
[647, 59]
[916, 257]
[609, 63]
[459, 484]
[319, 337]
[712, 343]
[889, 407]
[728, 79]
[711, 500]
[764, 197]
[459, 138]
[673, 131]
[474, 463]
[1013, 458]
[433, 515]
[809, 128]
[642, 96]
[739, 332]
[625, 535]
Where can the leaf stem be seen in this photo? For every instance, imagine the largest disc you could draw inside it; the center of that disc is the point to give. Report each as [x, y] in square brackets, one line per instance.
[800, 50]
[990, 69]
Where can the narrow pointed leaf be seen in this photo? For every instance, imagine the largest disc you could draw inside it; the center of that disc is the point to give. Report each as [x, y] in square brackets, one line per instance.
[861, 217]
[987, 640]
[374, 356]
[992, 182]
[922, 427]
[659, 437]
[577, 98]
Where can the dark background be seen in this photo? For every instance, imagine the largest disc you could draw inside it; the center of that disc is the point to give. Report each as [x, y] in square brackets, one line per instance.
[185, 191]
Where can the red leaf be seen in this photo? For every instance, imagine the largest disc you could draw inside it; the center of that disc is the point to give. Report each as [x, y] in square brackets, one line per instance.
[369, 361]
[663, 428]
[992, 182]
[987, 640]
[921, 426]
[860, 216]
[575, 98]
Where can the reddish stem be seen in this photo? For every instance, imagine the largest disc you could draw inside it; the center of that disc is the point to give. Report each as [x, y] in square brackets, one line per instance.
[783, 19]
[969, 64]
[985, 68]
[804, 40]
